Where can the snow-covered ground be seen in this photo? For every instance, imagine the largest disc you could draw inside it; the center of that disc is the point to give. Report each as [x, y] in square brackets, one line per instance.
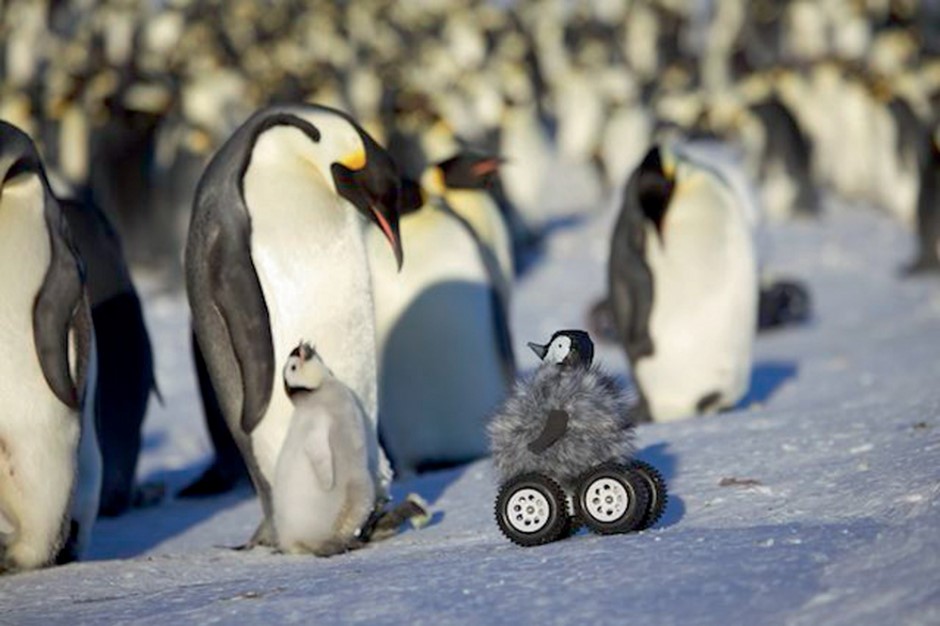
[816, 503]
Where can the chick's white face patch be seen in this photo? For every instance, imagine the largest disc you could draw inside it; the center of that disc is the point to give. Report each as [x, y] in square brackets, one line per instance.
[558, 351]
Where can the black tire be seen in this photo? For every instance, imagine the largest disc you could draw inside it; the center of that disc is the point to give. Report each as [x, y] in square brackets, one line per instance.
[612, 499]
[658, 496]
[544, 520]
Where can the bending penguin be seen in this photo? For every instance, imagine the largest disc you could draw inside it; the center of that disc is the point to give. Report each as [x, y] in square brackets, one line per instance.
[276, 251]
[450, 299]
[50, 468]
[125, 372]
[683, 286]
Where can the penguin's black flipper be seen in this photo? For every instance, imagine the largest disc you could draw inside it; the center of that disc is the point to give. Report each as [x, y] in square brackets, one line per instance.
[60, 298]
[555, 428]
[240, 300]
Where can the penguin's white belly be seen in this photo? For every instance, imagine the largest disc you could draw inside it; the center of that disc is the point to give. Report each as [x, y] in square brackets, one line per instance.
[309, 254]
[704, 309]
[441, 372]
[308, 514]
[38, 433]
[481, 212]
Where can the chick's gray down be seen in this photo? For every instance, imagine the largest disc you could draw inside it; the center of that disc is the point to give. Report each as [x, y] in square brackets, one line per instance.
[599, 428]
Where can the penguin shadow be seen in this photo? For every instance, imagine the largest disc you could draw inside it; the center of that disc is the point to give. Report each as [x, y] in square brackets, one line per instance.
[430, 486]
[660, 457]
[767, 377]
[141, 529]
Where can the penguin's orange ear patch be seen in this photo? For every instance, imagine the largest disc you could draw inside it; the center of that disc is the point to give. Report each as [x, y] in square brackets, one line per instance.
[355, 160]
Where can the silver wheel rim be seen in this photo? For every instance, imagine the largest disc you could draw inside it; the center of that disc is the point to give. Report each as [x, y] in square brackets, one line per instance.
[528, 510]
[606, 500]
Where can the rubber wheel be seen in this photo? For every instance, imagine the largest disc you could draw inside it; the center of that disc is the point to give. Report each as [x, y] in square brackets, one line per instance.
[612, 499]
[532, 510]
[658, 496]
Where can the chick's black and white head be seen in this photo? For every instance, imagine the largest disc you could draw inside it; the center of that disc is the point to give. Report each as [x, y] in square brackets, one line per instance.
[304, 371]
[570, 348]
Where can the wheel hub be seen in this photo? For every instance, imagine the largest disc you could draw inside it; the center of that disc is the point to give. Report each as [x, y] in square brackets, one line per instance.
[606, 500]
[528, 510]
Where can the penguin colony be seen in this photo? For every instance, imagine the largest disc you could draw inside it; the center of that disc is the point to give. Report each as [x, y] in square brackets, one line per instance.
[128, 101]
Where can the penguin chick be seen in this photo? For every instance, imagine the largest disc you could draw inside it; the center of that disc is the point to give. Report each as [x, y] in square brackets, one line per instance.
[324, 486]
[568, 418]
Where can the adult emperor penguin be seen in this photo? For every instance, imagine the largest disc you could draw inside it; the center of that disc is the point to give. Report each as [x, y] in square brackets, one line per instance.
[276, 251]
[125, 358]
[324, 487]
[683, 285]
[443, 335]
[49, 463]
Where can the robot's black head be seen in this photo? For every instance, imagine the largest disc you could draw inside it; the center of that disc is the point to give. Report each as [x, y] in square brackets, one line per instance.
[568, 348]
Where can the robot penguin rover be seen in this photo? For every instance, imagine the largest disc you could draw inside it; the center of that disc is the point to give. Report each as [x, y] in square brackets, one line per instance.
[562, 445]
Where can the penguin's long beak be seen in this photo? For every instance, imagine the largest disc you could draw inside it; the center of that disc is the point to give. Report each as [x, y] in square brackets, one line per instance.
[389, 226]
[539, 350]
[375, 191]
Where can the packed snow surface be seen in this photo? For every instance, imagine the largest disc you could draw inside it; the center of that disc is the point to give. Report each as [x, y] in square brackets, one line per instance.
[816, 502]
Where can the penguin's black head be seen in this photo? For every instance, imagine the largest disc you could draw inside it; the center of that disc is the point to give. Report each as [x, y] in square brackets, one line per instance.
[371, 182]
[654, 185]
[412, 196]
[569, 348]
[470, 171]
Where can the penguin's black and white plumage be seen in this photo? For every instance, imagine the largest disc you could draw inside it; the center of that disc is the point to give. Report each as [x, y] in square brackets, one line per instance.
[277, 251]
[451, 298]
[49, 461]
[125, 359]
[568, 418]
[325, 483]
[683, 285]
[787, 183]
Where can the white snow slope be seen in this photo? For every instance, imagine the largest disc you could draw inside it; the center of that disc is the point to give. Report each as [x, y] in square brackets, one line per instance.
[829, 513]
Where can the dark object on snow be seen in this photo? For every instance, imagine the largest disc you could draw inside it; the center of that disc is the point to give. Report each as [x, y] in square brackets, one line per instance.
[125, 358]
[569, 430]
[783, 303]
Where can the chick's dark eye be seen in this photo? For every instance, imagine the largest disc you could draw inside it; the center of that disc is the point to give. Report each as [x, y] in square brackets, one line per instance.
[293, 368]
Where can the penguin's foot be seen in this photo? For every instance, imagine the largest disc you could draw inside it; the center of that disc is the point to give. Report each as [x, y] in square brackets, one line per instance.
[384, 524]
[214, 481]
[263, 536]
[923, 265]
[148, 494]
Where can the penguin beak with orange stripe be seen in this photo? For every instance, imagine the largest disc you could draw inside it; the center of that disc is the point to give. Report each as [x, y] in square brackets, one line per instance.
[469, 170]
[369, 179]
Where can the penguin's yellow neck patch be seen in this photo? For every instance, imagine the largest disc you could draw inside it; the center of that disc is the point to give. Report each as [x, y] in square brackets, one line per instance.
[355, 160]
[669, 164]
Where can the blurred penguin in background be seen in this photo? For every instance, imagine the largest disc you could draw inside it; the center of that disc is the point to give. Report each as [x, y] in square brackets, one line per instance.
[683, 286]
[125, 358]
[443, 331]
[928, 213]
